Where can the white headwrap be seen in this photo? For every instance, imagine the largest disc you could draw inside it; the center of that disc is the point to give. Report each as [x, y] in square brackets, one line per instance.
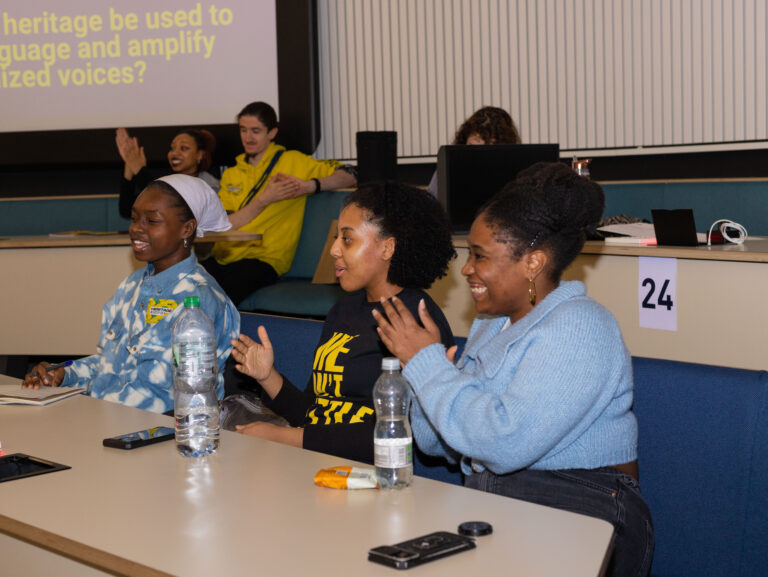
[204, 202]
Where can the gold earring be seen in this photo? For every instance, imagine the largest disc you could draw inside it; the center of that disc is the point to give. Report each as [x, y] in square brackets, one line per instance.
[186, 243]
[531, 291]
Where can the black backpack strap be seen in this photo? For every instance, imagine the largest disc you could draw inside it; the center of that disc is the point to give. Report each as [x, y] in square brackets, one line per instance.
[260, 184]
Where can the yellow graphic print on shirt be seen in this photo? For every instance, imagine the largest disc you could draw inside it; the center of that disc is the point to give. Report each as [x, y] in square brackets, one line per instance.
[158, 308]
[327, 378]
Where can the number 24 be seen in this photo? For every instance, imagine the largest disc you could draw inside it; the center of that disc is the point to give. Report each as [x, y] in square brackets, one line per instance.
[664, 299]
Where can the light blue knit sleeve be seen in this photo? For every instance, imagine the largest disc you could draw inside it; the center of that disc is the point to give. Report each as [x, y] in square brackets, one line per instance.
[527, 397]
[425, 435]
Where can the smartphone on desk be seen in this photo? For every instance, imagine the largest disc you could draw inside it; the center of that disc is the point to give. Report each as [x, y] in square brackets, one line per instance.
[139, 438]
[420, 550]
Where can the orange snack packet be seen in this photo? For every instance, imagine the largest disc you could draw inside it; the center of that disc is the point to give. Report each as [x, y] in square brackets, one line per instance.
[347, 478]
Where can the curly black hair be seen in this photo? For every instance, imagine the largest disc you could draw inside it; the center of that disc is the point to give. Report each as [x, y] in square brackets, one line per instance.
[547, 206]
[419, 224]
[494, 125]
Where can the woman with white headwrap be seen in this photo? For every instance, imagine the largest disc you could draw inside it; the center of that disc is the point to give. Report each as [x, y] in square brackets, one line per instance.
[133, 360]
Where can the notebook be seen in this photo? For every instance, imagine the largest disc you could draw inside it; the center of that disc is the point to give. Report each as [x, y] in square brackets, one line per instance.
[676, 228]
[11, 393]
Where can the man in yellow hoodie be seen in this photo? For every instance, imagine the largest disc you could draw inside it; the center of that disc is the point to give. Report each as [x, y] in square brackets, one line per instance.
[265, 192]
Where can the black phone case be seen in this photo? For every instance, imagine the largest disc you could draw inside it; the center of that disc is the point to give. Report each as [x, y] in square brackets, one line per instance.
[120, 443]
[421, 550]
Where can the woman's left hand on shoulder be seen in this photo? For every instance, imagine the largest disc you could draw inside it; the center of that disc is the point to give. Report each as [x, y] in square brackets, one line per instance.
[400, 331]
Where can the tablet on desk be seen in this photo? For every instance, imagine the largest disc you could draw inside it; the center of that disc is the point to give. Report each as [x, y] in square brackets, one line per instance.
[19, 465]
[676, 228]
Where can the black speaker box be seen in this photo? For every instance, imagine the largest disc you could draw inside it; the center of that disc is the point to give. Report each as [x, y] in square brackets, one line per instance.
[376, 156]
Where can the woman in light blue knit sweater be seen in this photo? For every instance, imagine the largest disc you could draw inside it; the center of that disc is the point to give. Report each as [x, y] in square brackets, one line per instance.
[539, 406]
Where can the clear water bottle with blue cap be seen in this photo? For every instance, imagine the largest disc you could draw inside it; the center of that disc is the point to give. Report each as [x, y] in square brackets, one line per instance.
[195, 369]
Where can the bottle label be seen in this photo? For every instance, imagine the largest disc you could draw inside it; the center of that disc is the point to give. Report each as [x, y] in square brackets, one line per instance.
[194, 358]
[393, 453]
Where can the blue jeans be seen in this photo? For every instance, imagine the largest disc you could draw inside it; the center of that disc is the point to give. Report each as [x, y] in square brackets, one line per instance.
[603, 493]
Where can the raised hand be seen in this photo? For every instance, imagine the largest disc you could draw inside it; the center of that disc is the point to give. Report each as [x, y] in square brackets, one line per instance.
[131, 153]
[401, 333]
[254, 359]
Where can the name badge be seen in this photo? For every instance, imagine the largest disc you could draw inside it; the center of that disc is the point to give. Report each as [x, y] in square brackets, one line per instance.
[158, 308]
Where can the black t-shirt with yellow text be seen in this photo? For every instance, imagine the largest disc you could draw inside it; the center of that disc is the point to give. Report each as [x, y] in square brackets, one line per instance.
[336, 408]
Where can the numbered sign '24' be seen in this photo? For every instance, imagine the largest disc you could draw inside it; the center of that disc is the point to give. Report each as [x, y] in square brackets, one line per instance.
[657, 293]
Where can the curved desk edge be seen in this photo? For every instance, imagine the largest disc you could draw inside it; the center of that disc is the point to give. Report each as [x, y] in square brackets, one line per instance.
[121, 239]
[76, 551]
[754, 249]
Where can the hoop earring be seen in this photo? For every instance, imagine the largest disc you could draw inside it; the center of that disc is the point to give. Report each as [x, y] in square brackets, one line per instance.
[186, 243]
[531, 291]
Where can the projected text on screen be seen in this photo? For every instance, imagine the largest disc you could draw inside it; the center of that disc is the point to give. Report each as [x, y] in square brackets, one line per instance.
[100, 64]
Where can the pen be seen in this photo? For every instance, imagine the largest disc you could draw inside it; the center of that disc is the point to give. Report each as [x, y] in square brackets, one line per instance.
[55, 366]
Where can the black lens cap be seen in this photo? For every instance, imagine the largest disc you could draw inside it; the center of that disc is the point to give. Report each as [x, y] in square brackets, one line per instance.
[475, 528]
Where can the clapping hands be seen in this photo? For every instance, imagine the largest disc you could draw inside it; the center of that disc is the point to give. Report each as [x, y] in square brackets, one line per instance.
[131, 153]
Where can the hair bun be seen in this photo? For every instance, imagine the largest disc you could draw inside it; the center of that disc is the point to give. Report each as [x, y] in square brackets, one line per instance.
[571, 201]
[208, 149]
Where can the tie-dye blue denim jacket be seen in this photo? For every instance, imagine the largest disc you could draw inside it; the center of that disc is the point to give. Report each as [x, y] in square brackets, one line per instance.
[133, 362]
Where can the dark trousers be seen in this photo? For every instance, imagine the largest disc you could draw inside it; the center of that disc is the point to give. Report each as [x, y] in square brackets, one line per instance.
[241, 278]
[603, 493]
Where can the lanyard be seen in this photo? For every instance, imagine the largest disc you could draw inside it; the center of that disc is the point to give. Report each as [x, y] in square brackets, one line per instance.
[255, 190]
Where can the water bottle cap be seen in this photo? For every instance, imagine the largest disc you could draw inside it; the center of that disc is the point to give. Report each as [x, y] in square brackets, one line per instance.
[390, 364]
[475, 528]
[191, 301]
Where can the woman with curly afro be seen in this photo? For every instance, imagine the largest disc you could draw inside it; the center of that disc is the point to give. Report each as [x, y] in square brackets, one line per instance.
[393, 240]
[487, 125]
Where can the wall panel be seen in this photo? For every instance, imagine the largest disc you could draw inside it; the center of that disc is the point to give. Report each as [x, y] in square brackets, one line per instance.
[589, 74]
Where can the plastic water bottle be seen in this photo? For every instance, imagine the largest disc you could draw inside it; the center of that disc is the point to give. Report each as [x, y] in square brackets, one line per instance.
[195, 369]
[392, 438]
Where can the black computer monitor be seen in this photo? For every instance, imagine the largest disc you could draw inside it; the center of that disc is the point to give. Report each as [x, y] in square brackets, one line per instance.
[468, 175]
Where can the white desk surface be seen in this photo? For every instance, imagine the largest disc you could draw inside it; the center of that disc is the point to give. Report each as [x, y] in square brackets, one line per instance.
[252, 508]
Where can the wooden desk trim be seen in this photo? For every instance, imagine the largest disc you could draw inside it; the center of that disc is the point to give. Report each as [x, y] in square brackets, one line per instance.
[44, 241]
[754, 249]
[75, 550]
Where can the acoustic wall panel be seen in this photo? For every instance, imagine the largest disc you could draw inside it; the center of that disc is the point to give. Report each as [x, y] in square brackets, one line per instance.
[589, 74]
